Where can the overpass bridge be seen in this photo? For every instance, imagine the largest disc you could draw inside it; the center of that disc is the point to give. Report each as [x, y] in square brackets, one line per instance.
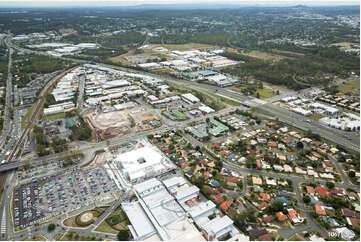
[8, 166]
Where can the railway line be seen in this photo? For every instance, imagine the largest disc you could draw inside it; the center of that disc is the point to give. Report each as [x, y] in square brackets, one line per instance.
[39, 103]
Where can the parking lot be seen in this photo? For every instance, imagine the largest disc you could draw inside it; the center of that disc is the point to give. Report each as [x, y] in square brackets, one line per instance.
[43, 199]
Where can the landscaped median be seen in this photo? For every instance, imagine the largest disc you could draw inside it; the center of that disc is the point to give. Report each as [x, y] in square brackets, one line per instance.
[84, 219]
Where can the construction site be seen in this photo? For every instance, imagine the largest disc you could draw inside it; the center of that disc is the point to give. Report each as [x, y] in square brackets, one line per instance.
[106, 125]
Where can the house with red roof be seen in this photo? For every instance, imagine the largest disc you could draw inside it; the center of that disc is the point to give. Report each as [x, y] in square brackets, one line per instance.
[224, 206]
[310, 190]
[281, 217]
[354, 222]
[262, 206]
[294, 216]
[251, 152]
[265, 237]
[218, 198]
[207, 174]
[203, 161]
[322, 191]
[271, 124]
[213, 190]
[184, 165]
[258, 162]
[272, 144]
[232, 179]
[320, 209]
[215, 146]
[316, 154]
[224, 153]
[265, 196]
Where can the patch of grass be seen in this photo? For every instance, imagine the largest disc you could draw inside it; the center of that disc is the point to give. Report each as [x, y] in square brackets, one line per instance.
[264, 55]
[38, 237]
[115, 222]
[56, 116]
[188, 46]
[351, 86]
[265, 93]
[225, 100]
[343, 44]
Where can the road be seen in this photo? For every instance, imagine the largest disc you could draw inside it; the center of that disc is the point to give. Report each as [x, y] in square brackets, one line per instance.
[8, 101]
[286, 116]
[302, 122]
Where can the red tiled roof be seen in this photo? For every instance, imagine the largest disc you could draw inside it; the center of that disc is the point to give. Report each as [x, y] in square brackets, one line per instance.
[310, 190]
[271, 123]
[272, 144]
[349, 213]
[251, 152]
[322, 191]
[355, 222]
[281, 216]
[265, 237]
[232, 179]
[224, 206]
[292, 213]
[316, 154]
[265, 196]
[262, 205]
[320, 210]
[268, 219]
[218, 198]
[258, 164]
[184, 165]
[213, 190]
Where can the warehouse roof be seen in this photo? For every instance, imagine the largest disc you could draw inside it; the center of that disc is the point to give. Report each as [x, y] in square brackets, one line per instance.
[141, 225]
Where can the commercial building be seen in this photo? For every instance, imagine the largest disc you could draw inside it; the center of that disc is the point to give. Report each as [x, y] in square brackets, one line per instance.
[143, 163]
[166, 211]
[115, 84]
[219, 228]
[206, 109]
[218, 128]
[302, 111]
[327, 109]
[190, 98]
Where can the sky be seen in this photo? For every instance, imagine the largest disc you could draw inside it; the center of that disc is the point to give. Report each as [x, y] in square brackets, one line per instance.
[58, 3]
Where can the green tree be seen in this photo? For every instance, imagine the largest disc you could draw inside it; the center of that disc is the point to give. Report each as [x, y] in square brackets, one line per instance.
[330, 185]
[306, 199]
[123, 235]
[51, 227]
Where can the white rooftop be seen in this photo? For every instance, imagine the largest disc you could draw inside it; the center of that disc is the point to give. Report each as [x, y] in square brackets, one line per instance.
[185, 192]
[174, 181]
[216, 225]
[142, 226]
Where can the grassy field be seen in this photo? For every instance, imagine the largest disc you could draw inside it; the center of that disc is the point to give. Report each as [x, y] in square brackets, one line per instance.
[265, 93]
[56, 116]
[188, 46]
[225, 100]
[351, 86]
[343, 44]
[264, 55]
[115, 222]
